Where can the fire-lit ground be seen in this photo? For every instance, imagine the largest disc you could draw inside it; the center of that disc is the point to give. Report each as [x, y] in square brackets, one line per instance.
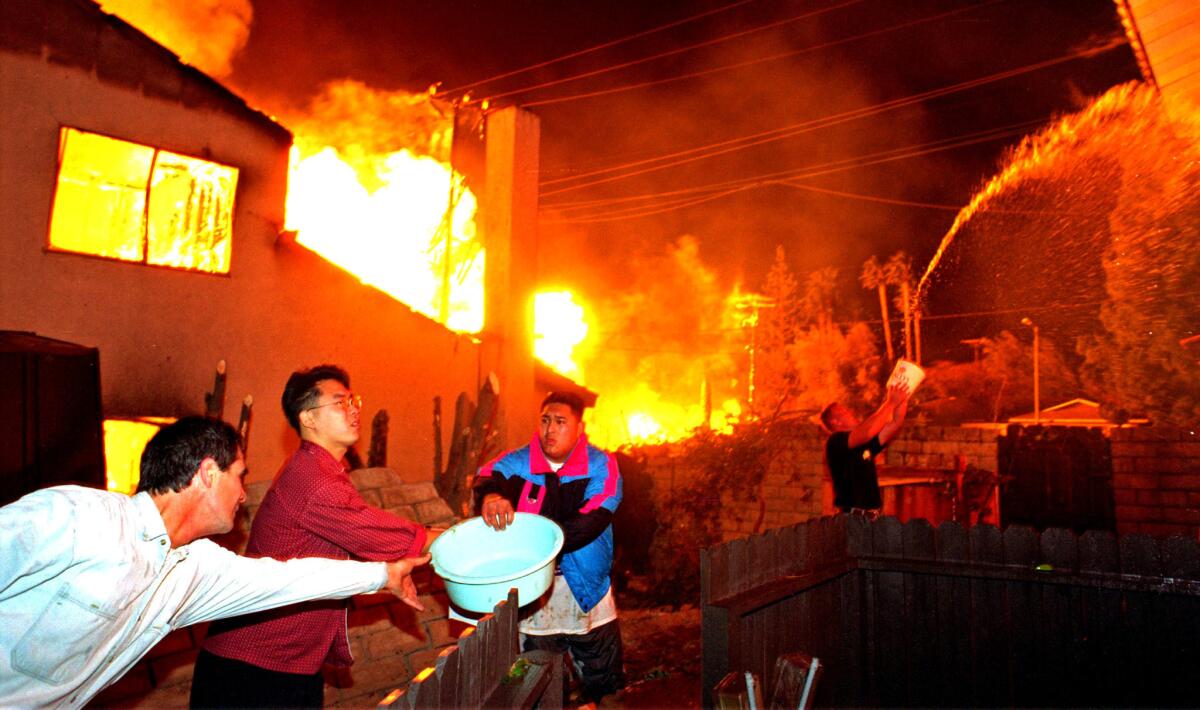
[662, 657]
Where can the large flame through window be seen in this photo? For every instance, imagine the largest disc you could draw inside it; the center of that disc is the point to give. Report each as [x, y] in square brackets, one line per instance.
[132, 202]
[372, 190]
[395, 235]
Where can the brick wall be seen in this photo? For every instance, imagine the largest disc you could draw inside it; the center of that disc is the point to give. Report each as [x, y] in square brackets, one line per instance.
[1156, 480]
[1156, 475]
[935, 447]
[391, 642]
[796, 486]
[792, 490]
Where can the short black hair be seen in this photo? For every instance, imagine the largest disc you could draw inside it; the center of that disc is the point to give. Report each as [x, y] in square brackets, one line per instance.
[572, 400]
[174, 453]
[826, 416]
[301, 391]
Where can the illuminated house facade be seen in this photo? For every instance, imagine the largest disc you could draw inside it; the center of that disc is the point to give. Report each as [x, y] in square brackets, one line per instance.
[142, 210]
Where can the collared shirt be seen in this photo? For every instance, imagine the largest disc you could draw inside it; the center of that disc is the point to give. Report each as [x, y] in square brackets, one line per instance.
[89, 583]
[311, 509]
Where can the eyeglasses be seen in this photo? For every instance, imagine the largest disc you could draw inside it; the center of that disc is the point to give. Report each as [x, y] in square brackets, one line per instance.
[350, 400]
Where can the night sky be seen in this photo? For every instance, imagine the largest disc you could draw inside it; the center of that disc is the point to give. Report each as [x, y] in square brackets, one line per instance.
[823, 59]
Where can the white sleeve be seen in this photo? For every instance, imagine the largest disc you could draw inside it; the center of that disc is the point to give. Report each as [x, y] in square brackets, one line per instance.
[36, 540]
[224, 584]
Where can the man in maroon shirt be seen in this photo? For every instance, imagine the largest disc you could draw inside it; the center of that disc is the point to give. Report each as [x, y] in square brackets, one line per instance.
[274, 659]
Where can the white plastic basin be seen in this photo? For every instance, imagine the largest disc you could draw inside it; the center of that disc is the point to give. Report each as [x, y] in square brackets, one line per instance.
[480, 565]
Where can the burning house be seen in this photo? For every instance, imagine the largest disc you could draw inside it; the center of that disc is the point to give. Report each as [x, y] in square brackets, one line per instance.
[144, 212]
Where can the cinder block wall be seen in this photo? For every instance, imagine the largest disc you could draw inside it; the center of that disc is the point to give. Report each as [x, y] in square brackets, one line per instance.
[792, 490]
[937, 446]
[796, 487]
[1156, 480]
[391, 642]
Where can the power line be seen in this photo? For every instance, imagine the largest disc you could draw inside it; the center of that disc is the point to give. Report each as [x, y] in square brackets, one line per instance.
[671, 52]
[847, 164]
[740, 143]
[636, 213]
[739, 65]
[807, 171]
[926, 205]
[598, 47]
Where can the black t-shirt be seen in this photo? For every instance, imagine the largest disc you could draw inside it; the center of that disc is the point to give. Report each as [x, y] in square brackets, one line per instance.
[853, 471]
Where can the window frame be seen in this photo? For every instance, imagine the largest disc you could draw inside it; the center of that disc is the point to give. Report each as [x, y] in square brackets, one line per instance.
[144, 262]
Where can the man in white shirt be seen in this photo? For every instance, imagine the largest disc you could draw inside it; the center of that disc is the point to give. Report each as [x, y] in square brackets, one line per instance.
[91, 580]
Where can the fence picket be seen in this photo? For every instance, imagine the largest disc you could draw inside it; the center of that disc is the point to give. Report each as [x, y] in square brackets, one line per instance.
[447, 672]
[953, 618]
[1181, 558]
[1102, 619]
[470, 690]
[891, 615]
[920, 595]
[1140, 555]
[1060, 549]
[1098, 552]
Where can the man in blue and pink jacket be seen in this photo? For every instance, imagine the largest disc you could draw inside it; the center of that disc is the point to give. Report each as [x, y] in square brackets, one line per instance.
[560, 476]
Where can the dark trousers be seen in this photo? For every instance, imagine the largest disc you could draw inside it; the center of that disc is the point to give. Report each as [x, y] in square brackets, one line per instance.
[596, 655]
[220, 682]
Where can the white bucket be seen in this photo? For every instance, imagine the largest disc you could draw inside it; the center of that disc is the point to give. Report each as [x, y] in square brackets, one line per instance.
[908, 372]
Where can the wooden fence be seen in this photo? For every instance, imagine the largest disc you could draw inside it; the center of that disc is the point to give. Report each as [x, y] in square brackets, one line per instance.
[906, 614]
[485, 669]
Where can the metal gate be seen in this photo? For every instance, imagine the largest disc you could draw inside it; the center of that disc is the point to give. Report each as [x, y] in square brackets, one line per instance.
[1057, 477]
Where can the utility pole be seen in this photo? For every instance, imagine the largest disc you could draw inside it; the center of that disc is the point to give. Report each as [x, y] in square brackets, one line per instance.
[753, 303]
[1037, 394]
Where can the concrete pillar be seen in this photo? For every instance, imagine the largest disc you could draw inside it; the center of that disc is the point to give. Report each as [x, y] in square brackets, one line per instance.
[509, 226]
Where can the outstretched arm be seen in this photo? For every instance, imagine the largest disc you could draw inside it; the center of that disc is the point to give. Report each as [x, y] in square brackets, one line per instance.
[885, 421]
[400, 581]
[889, 430]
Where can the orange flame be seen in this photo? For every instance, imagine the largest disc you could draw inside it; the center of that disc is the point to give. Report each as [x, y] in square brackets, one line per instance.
[207, 35]
[640, 415]
[559, 327]
[392, 237]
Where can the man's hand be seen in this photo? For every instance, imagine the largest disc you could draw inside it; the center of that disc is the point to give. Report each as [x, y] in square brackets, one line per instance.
[896, 394]
[400, 583]
[497, 511]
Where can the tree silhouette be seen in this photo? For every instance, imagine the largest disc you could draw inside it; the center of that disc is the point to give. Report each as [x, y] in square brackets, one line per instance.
[898, 272]
[875, 277]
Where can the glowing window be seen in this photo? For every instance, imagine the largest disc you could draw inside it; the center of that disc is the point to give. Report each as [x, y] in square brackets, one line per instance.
[126, 201]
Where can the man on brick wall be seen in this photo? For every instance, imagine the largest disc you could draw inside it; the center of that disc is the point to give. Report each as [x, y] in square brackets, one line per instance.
[312, 508]
[853, 445]
[91, 580]
[559, 475]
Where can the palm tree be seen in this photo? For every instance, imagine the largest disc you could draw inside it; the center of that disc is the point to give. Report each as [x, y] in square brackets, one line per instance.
[898, 272]
[874, 277]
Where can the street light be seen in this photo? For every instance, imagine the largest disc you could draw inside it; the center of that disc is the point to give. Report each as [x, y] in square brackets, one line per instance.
[1037, 394]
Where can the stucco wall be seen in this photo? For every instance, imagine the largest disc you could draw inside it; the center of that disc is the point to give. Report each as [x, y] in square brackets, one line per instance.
[160, 331]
